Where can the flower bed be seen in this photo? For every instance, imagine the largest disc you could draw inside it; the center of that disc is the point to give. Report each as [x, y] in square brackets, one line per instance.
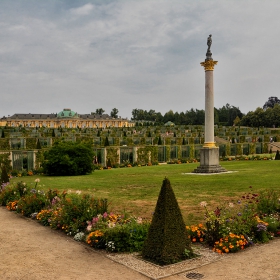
[229, 228]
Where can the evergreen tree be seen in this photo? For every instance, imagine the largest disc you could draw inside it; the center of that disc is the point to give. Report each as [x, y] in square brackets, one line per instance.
[38, 146]
[106, 142]
[4, 175]
[277, 156]
[159, 141]
[167, 241]
[3, 134]
[53, 133]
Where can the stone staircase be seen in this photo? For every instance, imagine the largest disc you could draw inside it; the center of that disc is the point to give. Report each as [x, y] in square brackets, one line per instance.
[219, 140]
[274, 146]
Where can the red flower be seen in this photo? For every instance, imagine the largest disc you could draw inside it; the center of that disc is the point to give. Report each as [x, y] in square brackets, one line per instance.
[217, 212]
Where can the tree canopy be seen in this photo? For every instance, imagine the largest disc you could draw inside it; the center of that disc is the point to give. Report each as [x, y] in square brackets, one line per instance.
[68, 158]
[114, 113]
[271, 102]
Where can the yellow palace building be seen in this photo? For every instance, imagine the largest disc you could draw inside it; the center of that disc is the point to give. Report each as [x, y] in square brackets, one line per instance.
[65, 119]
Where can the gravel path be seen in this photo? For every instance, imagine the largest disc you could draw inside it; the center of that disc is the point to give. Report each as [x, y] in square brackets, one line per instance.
[30, 251]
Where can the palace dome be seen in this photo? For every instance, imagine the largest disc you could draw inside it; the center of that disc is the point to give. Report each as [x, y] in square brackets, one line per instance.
[67, 113]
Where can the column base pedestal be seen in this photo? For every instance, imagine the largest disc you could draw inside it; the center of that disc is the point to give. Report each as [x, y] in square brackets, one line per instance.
[209, 161]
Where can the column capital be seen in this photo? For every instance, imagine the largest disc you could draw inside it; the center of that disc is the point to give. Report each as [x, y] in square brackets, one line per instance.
[208, 65]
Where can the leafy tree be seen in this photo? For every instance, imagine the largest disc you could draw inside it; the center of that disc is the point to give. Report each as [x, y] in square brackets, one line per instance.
[99, 111]
[228, 113]
[260, 117]
[68, 158]
[236, 121]
[167, 241]
[271, 102]
[169, 116]
[114, 113]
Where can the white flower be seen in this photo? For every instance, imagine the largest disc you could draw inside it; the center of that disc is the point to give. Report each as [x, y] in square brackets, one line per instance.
[111, 224]
[203, 203]
[37, 180]
[110, 246]
[79, 236]
[231, 205]
[78, 192]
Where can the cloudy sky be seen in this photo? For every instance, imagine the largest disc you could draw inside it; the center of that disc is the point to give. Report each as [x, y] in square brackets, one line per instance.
[143, 54]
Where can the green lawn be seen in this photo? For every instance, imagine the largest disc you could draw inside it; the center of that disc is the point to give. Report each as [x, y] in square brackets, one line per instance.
[135, 190]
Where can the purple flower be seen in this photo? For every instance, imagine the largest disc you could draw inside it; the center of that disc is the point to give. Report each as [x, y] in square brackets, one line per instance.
[239, 214]
[261, 227]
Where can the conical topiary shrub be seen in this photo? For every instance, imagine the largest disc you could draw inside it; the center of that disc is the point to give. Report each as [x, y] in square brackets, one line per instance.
[167, 240]
[277, 156]
[38, 146]
[4, 176]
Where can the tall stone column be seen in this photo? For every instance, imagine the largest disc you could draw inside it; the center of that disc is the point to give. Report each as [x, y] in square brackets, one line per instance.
[209, 103]
[209, 154]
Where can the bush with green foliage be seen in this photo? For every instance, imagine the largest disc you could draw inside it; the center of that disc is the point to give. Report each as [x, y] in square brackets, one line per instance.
[127, 237]
[167, 241]
[68, 158]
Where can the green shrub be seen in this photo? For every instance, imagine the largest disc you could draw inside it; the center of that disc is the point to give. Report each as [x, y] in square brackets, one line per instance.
[126, 238]
[68, 158]
[167, 239]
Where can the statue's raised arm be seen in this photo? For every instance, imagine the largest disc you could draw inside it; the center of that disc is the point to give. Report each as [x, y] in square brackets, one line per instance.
[209, 42]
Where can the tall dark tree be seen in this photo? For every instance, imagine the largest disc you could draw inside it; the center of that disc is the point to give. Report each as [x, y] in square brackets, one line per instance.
[114, 113]
[228, 113]
[5, 166]
[271, 102]
[99, 111]
[106, 142]
[4, 176]
[38, 145]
